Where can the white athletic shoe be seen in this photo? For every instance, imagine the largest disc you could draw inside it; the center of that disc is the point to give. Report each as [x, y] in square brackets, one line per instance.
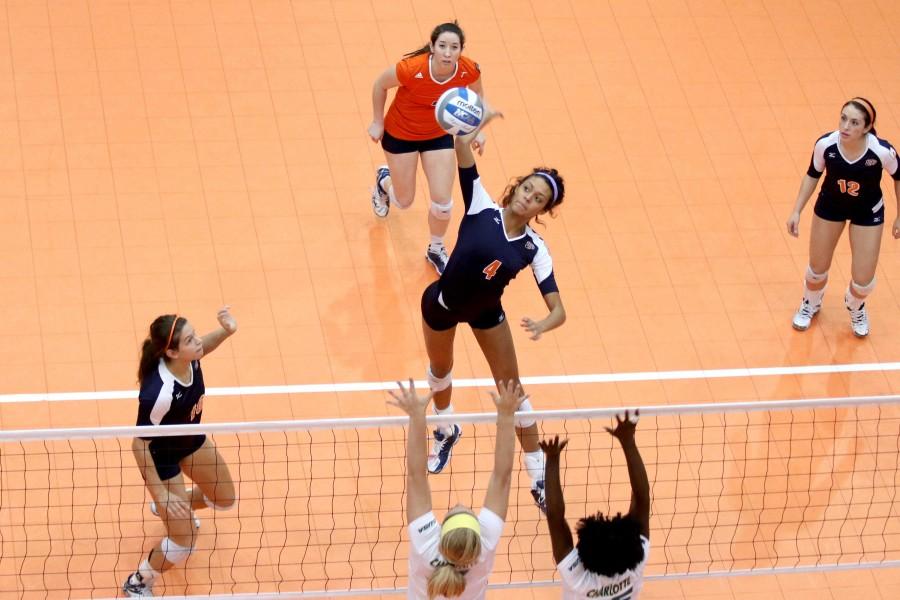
[155, 510]
[803, 316]
[859, 321]
[134, 587]
[442, 449]
[381, 202]
[438, 257]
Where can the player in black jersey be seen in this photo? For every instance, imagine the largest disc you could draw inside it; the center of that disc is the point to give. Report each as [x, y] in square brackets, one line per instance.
[852, 159]
[495, 242]
[171, 393]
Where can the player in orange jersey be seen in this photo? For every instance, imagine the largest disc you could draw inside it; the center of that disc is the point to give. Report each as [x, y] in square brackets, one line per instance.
[409, 130]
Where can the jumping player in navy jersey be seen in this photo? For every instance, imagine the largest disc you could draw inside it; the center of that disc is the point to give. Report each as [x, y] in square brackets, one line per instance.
[494, 244]
[852, 159]
[171, 393]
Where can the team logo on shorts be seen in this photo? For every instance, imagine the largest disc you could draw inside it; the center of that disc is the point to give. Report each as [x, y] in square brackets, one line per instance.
[871, 162]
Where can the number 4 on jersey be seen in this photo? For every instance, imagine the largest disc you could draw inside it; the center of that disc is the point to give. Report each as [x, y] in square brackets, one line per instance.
[491, 270]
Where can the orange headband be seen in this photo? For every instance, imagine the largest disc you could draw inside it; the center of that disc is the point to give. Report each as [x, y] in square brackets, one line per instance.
[868, 106]
[171, 333]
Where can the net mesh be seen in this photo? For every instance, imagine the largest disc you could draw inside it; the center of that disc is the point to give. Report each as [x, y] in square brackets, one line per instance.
[323, 509]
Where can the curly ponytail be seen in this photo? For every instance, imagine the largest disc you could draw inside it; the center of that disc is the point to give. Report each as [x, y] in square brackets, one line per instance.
[164, 328]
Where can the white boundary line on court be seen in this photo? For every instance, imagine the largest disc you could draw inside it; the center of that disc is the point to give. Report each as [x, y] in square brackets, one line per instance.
[887, 564]
[375, 386]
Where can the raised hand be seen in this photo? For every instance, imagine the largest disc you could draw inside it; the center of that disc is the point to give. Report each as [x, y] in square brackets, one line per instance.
[552, 447]
[624, 430]
[226, 320]
[509, 398]
[407, 400]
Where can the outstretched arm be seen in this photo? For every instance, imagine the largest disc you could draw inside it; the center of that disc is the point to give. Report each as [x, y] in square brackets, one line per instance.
[418, 492]
[479, 141]
[497, 497]
[560, 534]
[214, 339]
[464, 156]
[637, 473]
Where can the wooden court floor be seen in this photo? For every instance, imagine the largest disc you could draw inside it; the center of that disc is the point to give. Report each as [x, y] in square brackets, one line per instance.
[166, 156]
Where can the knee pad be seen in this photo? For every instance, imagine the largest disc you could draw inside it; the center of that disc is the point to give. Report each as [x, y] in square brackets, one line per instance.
[174, 553]
[219, 507]
[525, 421]
[863, 290]
[441, 211]
[439, 384]
[813, 277]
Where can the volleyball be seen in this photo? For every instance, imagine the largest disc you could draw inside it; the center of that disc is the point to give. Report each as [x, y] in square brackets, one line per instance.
[459, 111]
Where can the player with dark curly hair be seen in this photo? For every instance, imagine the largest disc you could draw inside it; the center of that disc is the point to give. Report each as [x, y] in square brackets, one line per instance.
[611, 554]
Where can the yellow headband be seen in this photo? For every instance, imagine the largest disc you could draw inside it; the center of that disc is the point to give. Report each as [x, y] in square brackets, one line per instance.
[458, 521]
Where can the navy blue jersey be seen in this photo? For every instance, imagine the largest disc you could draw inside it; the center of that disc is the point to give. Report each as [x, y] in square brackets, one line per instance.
[485, 260]
[164, 400]
[857, 182]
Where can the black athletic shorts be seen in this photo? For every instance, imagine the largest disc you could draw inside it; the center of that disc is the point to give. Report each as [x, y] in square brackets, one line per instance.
[832, 209]
[398, 146]
[167, 452]
[440, 318]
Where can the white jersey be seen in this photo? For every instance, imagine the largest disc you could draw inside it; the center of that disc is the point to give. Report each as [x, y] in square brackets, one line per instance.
[579, 583]
[425, 555]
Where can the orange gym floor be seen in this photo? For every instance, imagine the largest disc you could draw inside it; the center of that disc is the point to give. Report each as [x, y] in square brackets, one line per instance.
[164, 156]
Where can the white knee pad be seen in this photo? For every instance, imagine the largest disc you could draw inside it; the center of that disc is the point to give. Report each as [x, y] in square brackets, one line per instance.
[813, 277]
[863, 290]
[525, 421]
[441, 211]
[439, 384]
[174, 553]
[218, 507]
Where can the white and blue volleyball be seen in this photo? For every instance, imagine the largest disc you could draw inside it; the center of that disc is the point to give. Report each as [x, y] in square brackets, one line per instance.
[459, 111]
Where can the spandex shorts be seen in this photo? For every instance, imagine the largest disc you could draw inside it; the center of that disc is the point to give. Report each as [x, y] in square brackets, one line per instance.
[167, 452]
[398, 146]
[440, 318]
[866, 215]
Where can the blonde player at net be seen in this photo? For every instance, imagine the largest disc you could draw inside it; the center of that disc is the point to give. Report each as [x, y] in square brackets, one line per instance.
[611, 554]
[454, 558]
[172, 391]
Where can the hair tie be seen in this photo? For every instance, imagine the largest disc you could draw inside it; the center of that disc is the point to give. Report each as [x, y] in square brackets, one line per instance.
[552, 181]
[171, 333]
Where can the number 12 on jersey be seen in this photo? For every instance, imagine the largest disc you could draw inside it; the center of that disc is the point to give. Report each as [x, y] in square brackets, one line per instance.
[491, 270]
[848, 187]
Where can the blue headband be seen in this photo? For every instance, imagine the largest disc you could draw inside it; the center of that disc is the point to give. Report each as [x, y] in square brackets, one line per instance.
[552, 181]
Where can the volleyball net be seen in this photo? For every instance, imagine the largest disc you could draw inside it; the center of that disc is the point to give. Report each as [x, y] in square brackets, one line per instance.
[736, 488]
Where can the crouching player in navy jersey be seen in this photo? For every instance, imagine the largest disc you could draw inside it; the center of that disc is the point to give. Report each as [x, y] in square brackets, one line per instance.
[454, 559]
[171, 393]
[852, 159]
[612, 552]
[494, 244]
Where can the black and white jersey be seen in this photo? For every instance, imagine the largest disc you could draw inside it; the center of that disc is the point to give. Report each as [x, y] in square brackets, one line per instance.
[857, 181]
[164, 400]
[485, 260]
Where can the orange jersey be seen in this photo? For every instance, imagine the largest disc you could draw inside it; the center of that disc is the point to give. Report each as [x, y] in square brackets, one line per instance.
[411, 115]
